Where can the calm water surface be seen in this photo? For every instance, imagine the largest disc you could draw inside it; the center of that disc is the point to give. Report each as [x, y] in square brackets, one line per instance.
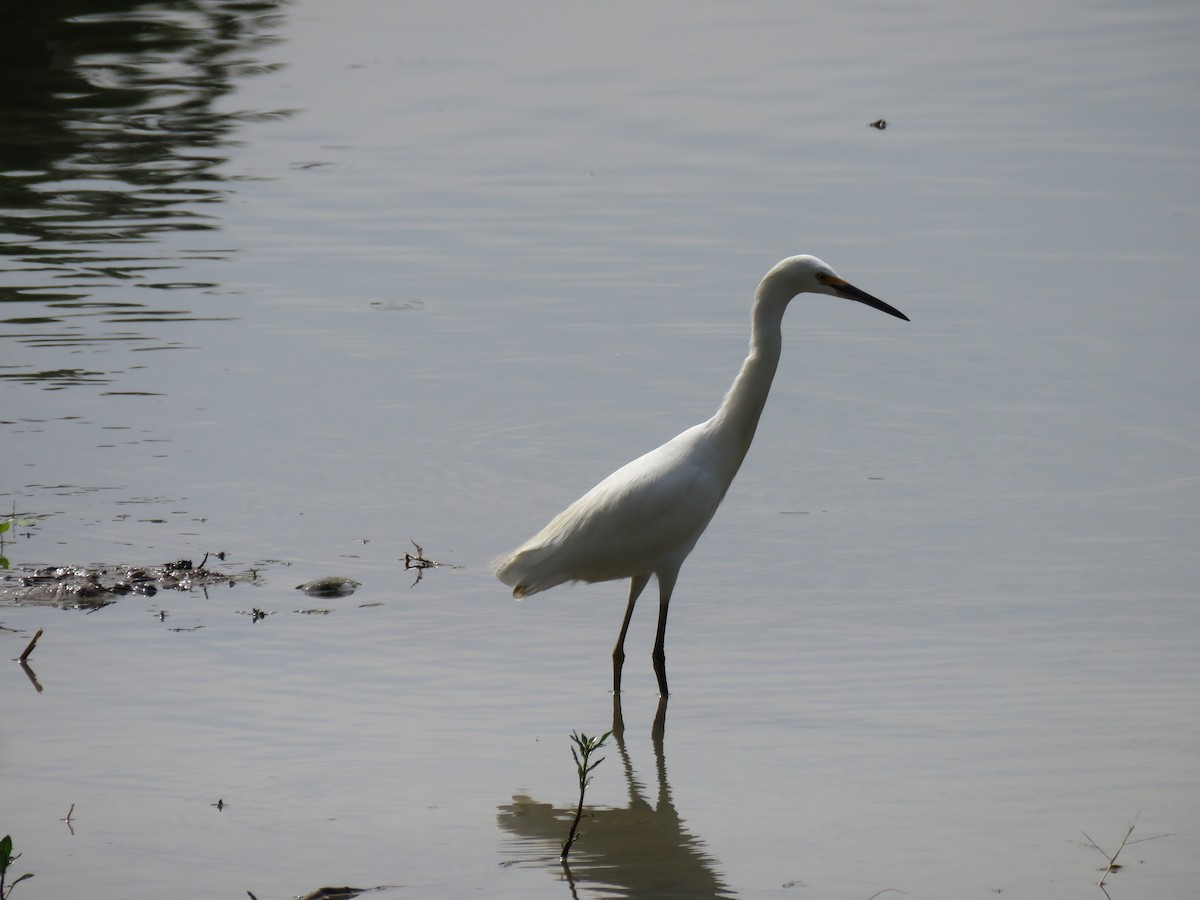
[302, 283]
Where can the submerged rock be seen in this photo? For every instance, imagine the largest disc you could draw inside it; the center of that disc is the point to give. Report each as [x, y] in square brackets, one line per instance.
[329, 586]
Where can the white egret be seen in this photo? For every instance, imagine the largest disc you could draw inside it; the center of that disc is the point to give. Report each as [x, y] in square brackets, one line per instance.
[645, 518]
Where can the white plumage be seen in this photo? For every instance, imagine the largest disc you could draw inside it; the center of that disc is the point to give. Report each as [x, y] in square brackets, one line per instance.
[645, 518]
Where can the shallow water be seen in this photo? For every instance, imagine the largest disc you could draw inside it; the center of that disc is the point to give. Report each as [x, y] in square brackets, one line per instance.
[303, 284]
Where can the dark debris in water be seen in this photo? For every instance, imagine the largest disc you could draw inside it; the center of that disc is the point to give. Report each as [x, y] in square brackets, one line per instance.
[93, 587]
[342, 893]
[329, 586]
[337, 893]
[420, 563]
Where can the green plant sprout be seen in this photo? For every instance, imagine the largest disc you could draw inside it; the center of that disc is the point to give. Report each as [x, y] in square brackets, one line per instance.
[7, 859]
[14, 521]
[582, 751]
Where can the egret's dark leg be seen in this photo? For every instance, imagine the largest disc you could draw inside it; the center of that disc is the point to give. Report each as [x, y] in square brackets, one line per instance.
[666, 584]
[637, 584]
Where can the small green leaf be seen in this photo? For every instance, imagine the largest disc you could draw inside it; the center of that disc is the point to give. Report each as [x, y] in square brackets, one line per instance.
[4, 526]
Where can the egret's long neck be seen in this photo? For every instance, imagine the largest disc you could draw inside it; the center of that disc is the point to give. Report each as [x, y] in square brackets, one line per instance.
[734, 423]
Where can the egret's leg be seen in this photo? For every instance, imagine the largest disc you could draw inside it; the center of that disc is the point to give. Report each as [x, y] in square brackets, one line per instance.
[666, 584]
[637, 584]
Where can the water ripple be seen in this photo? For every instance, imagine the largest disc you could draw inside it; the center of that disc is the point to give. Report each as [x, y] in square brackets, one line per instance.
[113, 140]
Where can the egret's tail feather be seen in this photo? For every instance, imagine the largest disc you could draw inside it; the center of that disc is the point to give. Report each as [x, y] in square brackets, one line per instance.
[528, 570]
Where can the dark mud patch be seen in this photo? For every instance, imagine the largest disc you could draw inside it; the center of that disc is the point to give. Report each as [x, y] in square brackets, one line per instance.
[93, 587]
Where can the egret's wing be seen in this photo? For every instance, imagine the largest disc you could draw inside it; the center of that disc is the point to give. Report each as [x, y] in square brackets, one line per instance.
[653, 507]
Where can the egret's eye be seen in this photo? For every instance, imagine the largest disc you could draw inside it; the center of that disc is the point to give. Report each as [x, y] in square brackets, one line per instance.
[823, 278]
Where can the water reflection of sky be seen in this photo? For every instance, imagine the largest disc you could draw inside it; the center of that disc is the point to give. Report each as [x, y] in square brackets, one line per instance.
[112, 153]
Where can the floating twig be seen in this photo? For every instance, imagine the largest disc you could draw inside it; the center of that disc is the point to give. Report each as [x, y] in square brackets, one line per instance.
[418, 562]
[1113, 865]
[29, 649]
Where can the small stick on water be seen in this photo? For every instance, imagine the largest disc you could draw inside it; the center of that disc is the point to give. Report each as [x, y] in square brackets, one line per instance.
[582, 751]
[1112, 860]
[32, 644]
[1113, 865]
[418, 562]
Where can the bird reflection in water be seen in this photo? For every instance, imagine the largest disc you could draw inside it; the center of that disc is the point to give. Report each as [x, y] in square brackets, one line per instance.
[641, 850]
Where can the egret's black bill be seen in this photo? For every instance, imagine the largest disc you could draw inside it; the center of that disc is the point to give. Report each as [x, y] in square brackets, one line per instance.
[852, 293]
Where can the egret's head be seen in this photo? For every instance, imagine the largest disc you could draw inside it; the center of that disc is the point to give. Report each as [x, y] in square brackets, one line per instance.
[807, 274]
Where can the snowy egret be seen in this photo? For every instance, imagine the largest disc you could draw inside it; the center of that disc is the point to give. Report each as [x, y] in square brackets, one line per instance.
[645, 518]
